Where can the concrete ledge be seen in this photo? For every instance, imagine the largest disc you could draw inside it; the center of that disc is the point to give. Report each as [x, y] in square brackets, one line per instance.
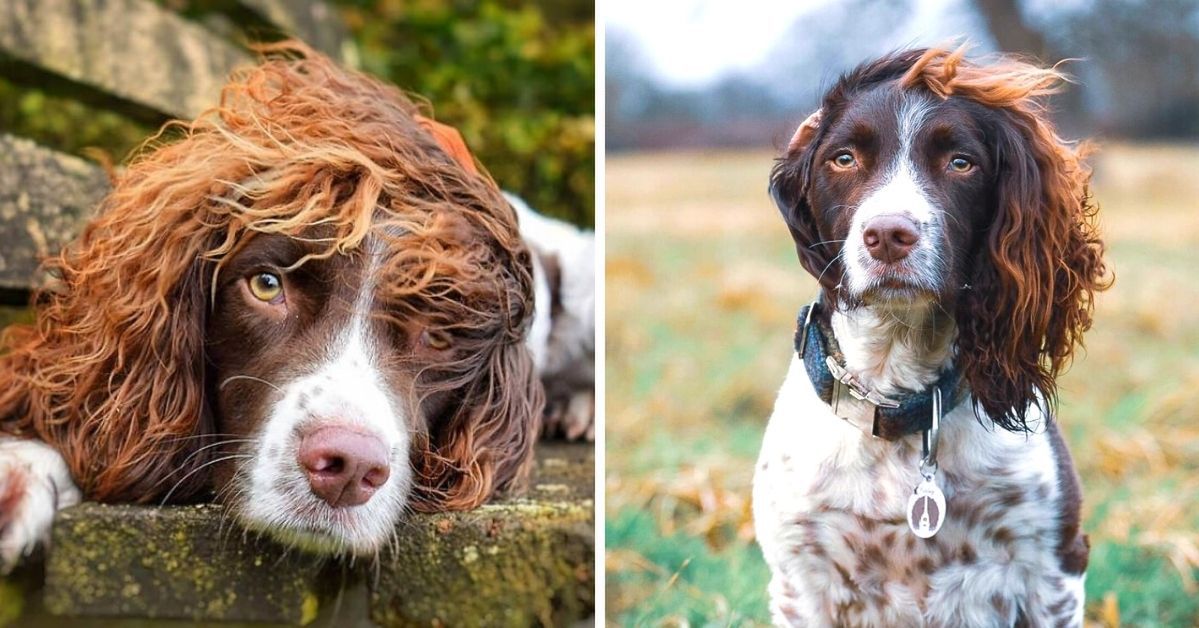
[518, 562]
[181, 563]
[504, 565]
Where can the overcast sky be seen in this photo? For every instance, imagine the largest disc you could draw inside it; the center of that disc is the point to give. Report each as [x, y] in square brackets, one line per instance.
[693, 42]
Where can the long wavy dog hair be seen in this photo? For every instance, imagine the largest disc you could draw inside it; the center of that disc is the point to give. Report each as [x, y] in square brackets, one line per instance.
[113, 373]
[1034, 277]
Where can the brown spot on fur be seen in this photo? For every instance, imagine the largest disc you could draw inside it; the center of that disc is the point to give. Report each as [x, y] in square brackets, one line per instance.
[1002, 536]
[844, 573]
[1011, 497]
[873, 556]
[1064, 604]
[967, 555]
[1074, 548]
[790, 613]
[1000, 604]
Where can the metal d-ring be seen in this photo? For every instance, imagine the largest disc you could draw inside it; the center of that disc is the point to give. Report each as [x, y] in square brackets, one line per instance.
[803, 333]
[931, 436]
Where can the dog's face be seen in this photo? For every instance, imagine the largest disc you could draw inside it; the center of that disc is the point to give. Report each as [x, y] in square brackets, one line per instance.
[926, 180]
[325, 372]
[904, 183]
[311, 304]
[321, 388]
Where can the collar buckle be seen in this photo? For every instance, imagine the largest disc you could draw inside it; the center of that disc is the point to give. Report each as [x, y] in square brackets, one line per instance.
[856, 388]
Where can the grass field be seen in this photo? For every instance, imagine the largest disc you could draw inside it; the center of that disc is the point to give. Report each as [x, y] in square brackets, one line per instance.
[702, 290]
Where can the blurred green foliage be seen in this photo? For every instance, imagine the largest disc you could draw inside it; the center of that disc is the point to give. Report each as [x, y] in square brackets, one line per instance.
[517, 79]
[65, 124]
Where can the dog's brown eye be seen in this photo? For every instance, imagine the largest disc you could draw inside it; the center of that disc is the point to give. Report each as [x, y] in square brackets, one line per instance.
[436, 340]
[844, 160]
[960, 164]
[266, 287]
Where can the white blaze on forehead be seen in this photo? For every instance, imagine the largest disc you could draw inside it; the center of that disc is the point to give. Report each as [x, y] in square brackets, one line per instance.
[902, 192]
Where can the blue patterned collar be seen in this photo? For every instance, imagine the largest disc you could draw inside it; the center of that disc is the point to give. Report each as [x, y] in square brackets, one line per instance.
[894, 417]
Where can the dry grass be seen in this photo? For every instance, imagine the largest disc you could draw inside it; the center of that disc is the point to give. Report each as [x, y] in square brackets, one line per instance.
[702, 290]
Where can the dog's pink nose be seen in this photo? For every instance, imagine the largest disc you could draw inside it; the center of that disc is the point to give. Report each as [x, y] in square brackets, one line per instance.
[890, 238]
[344, 467]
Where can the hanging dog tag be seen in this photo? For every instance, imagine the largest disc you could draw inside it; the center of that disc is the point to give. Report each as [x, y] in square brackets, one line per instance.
[926, 509]
[926, 506]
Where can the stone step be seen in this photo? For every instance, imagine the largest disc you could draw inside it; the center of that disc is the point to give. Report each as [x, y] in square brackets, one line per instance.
[317, 23]
[45, 197]
[517, 562]
[131, 56]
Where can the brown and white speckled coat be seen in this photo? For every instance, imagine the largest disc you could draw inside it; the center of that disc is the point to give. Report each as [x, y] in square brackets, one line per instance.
[829, 503]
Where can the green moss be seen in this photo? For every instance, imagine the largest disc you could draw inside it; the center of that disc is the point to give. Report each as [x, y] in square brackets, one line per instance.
[102, 564]
[309, 609]
[14, 315]
[12, 600]
[508, 564]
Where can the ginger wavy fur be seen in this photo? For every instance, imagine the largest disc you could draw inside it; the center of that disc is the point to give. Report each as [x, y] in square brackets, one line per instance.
[113, 375]
[1029, 306]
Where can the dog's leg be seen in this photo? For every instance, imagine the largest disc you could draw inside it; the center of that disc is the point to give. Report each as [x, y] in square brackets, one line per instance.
[579, 419]
[34, 484]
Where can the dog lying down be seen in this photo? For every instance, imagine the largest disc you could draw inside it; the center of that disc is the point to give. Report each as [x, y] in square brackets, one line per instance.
[312, 308]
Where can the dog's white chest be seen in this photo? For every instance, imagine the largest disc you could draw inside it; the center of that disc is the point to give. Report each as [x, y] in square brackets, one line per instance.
[830, 512]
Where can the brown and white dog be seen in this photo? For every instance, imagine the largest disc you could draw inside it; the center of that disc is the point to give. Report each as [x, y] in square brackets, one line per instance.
[311, 307]
[955, 245]
[562, 337]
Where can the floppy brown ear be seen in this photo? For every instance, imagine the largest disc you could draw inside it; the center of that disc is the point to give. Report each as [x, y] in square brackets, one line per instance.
[488, 444]
[112, 375]
[1032, 290]
[789, 182]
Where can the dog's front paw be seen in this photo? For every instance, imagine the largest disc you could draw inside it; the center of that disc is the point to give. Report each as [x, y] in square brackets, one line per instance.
[34, 484]
[572, 416]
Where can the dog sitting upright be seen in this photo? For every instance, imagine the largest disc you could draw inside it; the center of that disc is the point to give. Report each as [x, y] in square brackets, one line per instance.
[912, 472]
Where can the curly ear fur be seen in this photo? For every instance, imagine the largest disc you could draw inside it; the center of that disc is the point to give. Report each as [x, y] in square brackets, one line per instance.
[483, 442]
[789, 182]
[112, 375]
[487, 444]
[1033, 284]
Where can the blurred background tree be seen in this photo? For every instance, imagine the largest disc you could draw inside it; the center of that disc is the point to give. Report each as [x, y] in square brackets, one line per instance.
[1136, 64]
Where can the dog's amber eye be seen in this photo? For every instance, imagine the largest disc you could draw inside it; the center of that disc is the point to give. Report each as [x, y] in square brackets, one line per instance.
[436, 340]
[844, 160]
[960, 164]
[267, 287]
